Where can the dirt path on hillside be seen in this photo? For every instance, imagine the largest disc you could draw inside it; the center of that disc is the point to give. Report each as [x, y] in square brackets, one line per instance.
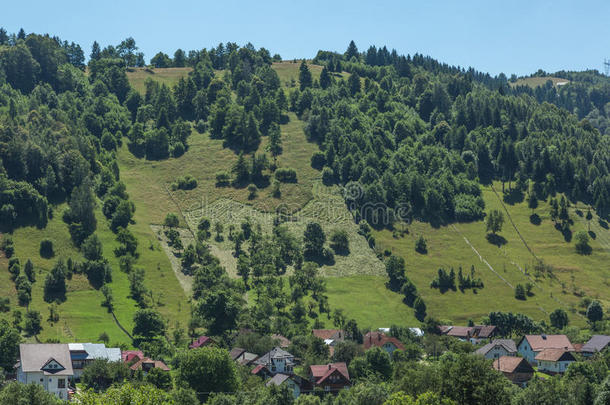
[185, 281]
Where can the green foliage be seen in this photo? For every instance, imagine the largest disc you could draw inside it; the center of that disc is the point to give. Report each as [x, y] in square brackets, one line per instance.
[15, 393]
[55, 283]
[148, 323]
[33, 323]
[339, 241]
[207, 370]
[46, 248]
[101, 374]
[582, 243]
[9, 345]
[595, 311]
[559, 318]
[494, 221]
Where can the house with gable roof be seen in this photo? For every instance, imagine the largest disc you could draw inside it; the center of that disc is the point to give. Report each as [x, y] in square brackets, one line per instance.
[380, 339]
[554, 361]
[597, 344]
[516, 369]
[49, 365]
[331, 377]
[83, 354]
[531, 345]
[276, 361]
[498, 348]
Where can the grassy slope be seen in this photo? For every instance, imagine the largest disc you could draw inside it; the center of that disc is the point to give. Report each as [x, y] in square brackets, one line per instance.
[538, 81]
[169, 76]
[446, 248]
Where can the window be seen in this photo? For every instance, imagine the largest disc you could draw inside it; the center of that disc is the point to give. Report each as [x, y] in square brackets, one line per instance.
[61, 383]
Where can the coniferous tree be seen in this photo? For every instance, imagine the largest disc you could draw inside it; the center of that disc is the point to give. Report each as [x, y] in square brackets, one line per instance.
[305, 78]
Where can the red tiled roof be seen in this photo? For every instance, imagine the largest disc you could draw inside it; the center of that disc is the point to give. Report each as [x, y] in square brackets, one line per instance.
[200, 342]
[129, 355]
[322, 372]
[541, 342]
[555, 355]
[328, 333]
[379, 339]
[257, 369]
[508, 364]
[460, 331]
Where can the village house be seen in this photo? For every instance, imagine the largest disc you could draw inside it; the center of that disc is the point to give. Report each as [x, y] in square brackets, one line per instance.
[331, 377]
[531, 345]
[554, 361]
[498, 348]
[282, 341]
[49, 365]
[277, 361]
[202, 341]
[242, 357]
[597, 344]
[146, 364]
[292, 381]
[380, 339]
[472, 334]
[83, 354]
[330, 337]
[516, 369]
[128, 355]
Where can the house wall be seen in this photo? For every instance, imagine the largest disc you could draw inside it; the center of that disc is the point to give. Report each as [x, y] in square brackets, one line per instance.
[49, 383]
[389, 347]
[280, 366]
[497, 352]
[553, 366]
[526, 352]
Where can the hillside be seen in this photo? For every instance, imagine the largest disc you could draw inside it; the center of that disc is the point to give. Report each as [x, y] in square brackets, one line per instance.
[537, 81]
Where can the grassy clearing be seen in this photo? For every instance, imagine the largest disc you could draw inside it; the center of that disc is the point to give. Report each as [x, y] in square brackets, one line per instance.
[82, 318]
[289, 70]
[368, 301]
[573, 274]
[327, 208]
[536, 81]
[168, 76]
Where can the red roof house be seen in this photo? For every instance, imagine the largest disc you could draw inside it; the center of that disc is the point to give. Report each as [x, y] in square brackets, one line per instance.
[330, 377]
[380, 339]
[146, 364]
[129, 355]
[201, 341]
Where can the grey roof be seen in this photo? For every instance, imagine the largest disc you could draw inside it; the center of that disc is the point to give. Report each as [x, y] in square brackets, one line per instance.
[34, 356]
[507, 344]
[275, 353]
[277, 379]
[597, 343]
[100, 351]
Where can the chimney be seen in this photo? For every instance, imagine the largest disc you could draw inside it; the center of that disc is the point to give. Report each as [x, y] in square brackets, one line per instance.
[329, 367]
[379, 337]
[543, 337]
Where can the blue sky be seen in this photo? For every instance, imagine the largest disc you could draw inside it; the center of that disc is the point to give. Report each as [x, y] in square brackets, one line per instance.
[494, 36]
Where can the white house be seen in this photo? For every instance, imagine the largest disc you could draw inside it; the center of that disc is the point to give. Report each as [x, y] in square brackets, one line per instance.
[46, 364]
[554, 361]
[277, 361]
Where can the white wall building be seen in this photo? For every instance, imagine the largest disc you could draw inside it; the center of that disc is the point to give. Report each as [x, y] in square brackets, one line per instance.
[46, 364]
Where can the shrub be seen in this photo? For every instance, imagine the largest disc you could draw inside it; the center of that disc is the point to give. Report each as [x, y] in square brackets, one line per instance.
[328, 176]
[286, 175]
[201, 126]
[339, 241]
[582, 243]
[46, 248]
[520, 292]
[8, 246]
[178, 149]
[223, 179]
[318, 160]
[421, 245]
[252, 189]
[468, 207]
[187, 182]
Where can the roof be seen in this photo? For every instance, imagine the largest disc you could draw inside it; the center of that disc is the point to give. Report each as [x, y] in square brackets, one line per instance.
[236, 352]
[483, 331]
[554, 355]
[248, 358]
[325, 334]
[33, 357]
[283, 341]
[277, 379]
[100, 351]
[597, 343]
[541, 342]
[201, 341]
[460, 331]
[417, 332]
[510, 364]
[275, 353]
[129, 355]
[156, 364]
[379, 339]
[322, 372]
[258, 369]
[507, 344]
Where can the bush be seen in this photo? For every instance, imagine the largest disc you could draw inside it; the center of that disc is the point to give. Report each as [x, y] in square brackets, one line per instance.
[8, 246]
[286, 175]
[582, 243]
[187, 182]
[318, 160]
[252, 189]
[223, 179]
[46, 248]
[421, 245]
[328, 176]
[178, 149]
[339, 241]
[201, 126]
[520, 292]
[468, 207]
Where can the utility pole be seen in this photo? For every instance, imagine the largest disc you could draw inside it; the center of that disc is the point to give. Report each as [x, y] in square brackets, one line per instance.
[607, 66]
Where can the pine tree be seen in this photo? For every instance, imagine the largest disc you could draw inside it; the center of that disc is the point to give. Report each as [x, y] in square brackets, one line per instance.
[241, 171]
[305, 79]
[325, 79]
[95, 51]
[352, 51]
